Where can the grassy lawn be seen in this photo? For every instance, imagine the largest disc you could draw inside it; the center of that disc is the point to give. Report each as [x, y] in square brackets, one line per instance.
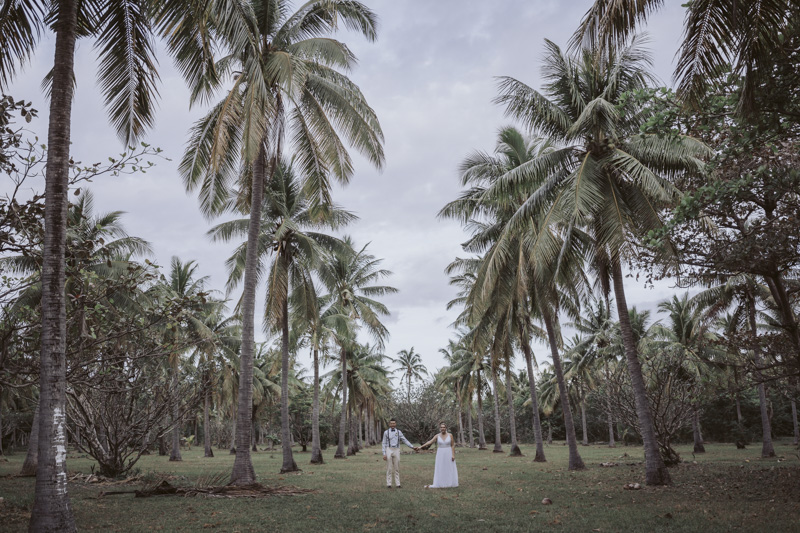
[723, 490]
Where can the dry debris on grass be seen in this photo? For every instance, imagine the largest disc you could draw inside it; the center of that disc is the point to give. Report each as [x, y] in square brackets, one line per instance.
[209, 486]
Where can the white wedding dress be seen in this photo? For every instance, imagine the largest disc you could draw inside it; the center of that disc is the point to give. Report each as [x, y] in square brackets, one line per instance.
[445, 473]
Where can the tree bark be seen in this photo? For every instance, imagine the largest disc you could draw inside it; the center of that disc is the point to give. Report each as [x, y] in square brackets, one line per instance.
[767, 450]
[460, 418]
[316, 447]
[656, 472]
[584, 426]
[52, 510]
[575, 461]
[611, 442]
[340, 449]
[209, 452]
[794, 423]
[498, 446]
[233, 436]
[29, 466]
[697, 436]
[286, 435]
[549, 433]
[352, 433]
[481, 435]
[469, 422]
[512, 418]
[243, 472]
[175, 453]
[537, 423]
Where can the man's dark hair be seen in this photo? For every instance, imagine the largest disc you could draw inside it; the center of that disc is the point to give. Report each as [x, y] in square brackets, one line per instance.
[392, 420]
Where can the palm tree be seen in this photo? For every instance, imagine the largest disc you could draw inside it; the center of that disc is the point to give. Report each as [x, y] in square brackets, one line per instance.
[579, 371]
[320, 324]
[287, 217]
[717, 33]
[182, 284]
[607, 179]
[287, 73]
[597, 329]
[225, 334]
[123, 35]
[688, 334]
[411, 366]
[506, 283]
[743, 291]
[350, 276]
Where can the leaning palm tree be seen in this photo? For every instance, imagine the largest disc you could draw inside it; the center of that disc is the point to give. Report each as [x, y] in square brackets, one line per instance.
[606, 178]
[123, 32]
[285, 72]
[351, 278]
[294, 251]
[411, 366]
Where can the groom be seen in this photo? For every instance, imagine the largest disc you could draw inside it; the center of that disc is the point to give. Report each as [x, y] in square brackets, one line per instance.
[391, 448]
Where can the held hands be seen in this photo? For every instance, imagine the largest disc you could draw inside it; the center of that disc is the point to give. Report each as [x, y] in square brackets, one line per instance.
[384, 457]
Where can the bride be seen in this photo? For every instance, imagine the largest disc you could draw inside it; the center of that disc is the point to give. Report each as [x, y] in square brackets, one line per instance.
[445, 473]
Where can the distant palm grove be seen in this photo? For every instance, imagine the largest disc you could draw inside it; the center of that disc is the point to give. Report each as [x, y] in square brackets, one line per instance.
[601, 179]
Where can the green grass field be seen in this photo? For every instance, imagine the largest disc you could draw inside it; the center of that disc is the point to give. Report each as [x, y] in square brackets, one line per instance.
[723, 490]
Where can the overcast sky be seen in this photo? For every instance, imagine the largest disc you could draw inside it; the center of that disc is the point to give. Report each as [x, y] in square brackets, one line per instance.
[431, 79]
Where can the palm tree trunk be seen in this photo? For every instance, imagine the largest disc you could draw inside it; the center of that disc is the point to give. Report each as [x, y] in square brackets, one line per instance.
[286, 435]
[243, 472]
[360, 443]
[469, 422]
[512, 418]
[52, 510]
[549, 433]
[175, 453]
[697, 436]
[481, 435]
[794, 422]
[767, 450]
[575, 461]
[611, 443]
[29, 466]
[352, 448]
[498, 446]
[537, 423]
[584, 426]
[340, 450]
[233, 434]
[316, 447]
[460, 418]
[656, 472]
[209, 452]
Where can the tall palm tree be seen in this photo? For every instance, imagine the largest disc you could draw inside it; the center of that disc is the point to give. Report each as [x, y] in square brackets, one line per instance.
[224, 336]
[606, 178]
[506, 282]
[717, 33]
[597, 330]
[411, 366]
[742, 292]
[351, 278]
[687, 333]
[122, 31]
[320, 324]
[287, 216]
[182, 283]
[285, 72]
